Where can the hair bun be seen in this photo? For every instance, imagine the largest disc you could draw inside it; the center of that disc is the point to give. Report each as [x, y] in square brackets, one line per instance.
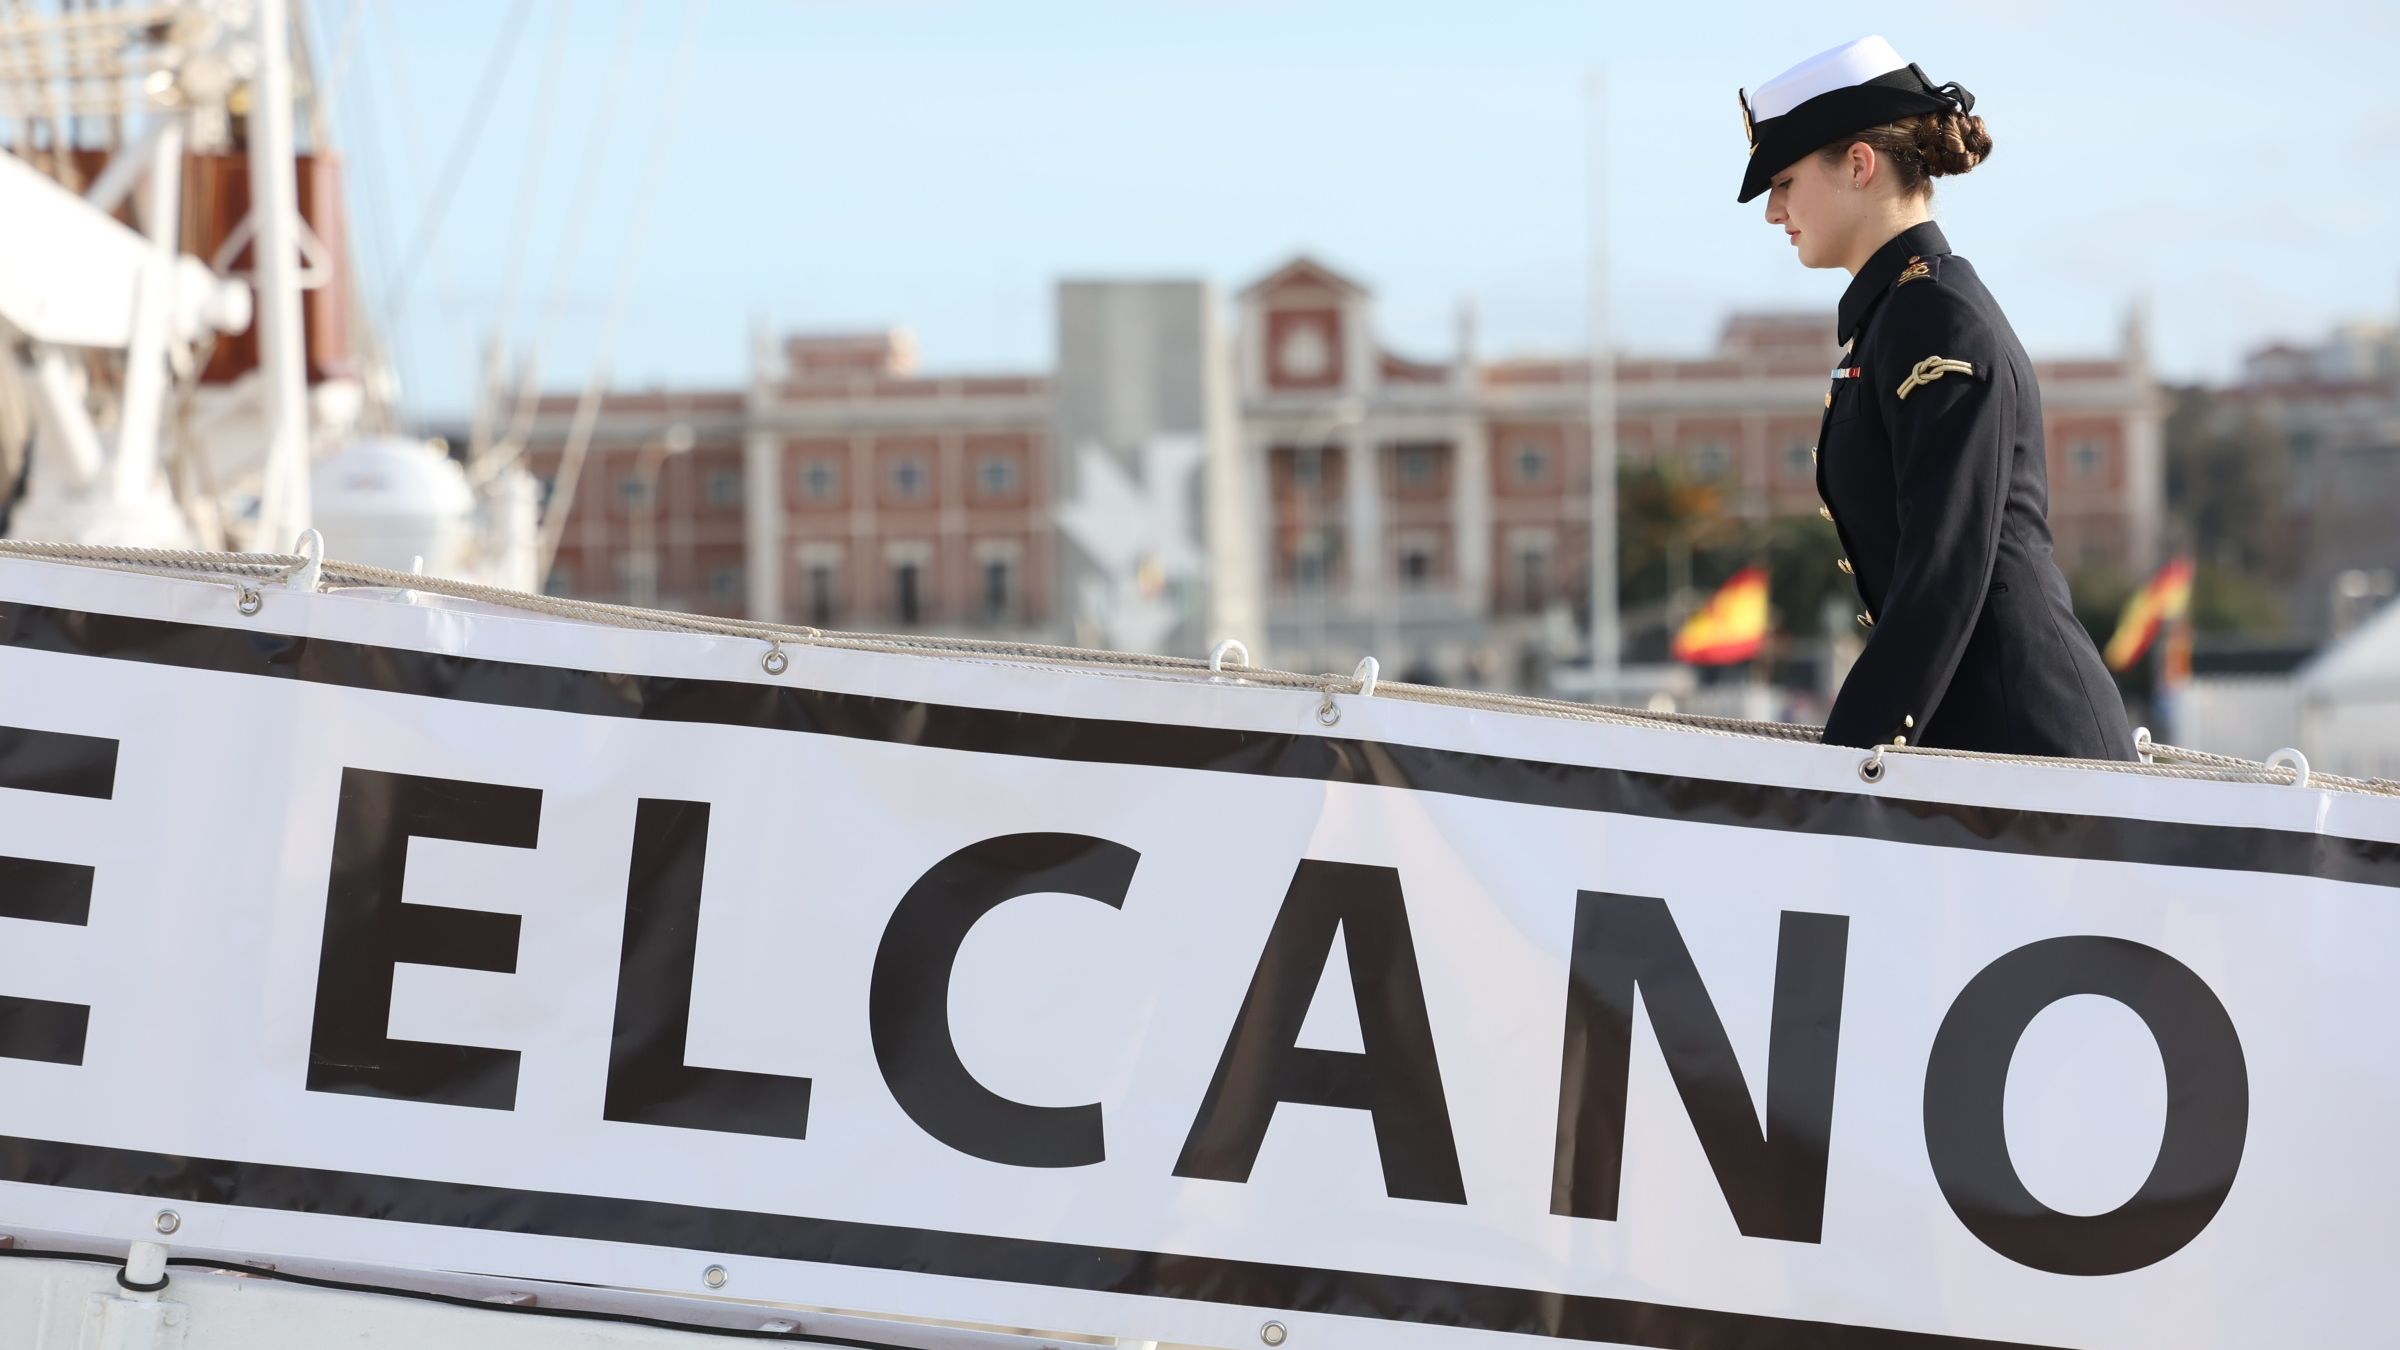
[1952, 143]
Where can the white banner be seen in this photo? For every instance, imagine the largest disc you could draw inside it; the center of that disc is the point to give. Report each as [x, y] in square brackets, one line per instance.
[1155, 1007]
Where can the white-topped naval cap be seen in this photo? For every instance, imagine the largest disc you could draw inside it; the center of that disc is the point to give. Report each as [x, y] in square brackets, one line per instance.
[1843, 66]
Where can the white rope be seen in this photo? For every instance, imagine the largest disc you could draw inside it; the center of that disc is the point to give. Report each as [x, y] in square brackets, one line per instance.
[246, 572]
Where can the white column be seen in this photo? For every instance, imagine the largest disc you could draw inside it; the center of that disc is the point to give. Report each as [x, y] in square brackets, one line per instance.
[1471, 516]
[1363, 519]
[951, 583]
[1236, 527]
[763, 487]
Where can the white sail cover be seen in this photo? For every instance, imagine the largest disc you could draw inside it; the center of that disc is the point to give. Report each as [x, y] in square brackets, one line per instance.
[1161, 1006]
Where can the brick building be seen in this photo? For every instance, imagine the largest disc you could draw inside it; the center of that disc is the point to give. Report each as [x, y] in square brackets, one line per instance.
[1421, 509]
[889, 500]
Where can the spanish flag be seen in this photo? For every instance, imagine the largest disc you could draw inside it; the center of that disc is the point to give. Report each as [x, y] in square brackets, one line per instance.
[2151, 608]
[1731, 627]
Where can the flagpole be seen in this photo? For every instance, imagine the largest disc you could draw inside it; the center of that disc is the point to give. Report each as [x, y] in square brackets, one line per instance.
[1600, 385]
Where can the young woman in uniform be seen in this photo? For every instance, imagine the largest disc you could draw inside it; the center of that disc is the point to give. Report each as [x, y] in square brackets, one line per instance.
[1930, 461]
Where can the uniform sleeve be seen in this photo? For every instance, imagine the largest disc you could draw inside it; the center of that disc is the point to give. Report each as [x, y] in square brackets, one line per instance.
[1952, 436]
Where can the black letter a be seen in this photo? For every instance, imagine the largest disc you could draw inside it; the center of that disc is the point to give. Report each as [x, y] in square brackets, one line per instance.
[1395, 1077]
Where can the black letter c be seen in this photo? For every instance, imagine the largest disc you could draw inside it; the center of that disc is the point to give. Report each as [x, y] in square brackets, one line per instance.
[908, 997]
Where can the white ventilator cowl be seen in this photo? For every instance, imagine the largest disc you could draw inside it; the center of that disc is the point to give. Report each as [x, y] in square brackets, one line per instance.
[1843, 66]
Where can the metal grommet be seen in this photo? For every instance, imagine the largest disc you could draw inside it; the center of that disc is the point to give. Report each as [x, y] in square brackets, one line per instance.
[1229, 647]
[1328, 712]
[775, 662]
[1273, 1333]
[167, 1221]
[2142, 745]
[1368, 672]
[249, 601]
[2299, 763]
[714, 1277]
[1871, 768]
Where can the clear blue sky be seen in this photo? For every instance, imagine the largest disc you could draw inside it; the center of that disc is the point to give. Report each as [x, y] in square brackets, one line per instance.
[848, 163]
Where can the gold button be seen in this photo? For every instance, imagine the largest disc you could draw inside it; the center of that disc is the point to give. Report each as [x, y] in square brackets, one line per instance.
[1828, 398]
[1812, 450]
[1900, 740]
[1909, 720]
[1866, 621]
[1825, 511]
[1847, 569]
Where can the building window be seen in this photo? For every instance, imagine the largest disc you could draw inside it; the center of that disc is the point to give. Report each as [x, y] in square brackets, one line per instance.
[1533, 576]
[824, 594]
[1533, 464]
[633, 491]
[820, 479]
[543, 486]
[637, 578]
[1416, 564]
[724, 583]
[2087, 456]
[998, 476]
[908, 599]
[999, 589]
[1799, 460]
[1418, 466]
[725, 487]
[1312, 558]
[909, 479]
[1711, 460]
[1308, 469]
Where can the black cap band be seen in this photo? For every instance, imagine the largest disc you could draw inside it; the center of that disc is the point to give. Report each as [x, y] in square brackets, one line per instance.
[1778, 142]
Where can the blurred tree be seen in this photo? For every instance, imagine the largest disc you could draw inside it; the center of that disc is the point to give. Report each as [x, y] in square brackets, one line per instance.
[2226, 602]
[1674, 534]
[2227, 473]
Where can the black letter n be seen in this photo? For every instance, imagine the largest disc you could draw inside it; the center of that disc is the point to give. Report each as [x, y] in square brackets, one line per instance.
[1773, 1180]
[368, 931]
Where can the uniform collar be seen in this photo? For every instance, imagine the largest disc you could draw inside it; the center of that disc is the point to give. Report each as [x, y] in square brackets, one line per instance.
[1876, 278]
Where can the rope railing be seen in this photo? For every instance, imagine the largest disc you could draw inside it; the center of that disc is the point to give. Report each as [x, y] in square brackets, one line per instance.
[245, 573]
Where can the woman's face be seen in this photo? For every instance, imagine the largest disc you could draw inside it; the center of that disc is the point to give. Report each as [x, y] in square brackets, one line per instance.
[1814, 203]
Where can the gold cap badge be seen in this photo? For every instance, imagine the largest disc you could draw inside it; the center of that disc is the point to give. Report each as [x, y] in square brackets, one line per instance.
[1749, 128]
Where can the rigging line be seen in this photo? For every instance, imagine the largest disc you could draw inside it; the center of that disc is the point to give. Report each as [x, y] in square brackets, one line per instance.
[397, 90]
[487, 392]
[520, 422]
[322, 103]
[390, 343]
[323, 120]
[587, 409]
[470, 134]
[35, 45]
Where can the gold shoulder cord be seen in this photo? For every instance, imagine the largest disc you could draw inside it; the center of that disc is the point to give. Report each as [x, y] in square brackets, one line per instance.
[1933, 368]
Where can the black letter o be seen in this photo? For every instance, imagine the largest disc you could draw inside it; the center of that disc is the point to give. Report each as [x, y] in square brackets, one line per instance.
[2208, 1106]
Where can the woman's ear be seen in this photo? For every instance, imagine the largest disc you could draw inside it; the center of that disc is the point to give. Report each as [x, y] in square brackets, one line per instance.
[1861, 162]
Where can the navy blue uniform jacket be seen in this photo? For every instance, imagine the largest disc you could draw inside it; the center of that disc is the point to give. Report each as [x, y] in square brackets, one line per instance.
[1932, 469]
